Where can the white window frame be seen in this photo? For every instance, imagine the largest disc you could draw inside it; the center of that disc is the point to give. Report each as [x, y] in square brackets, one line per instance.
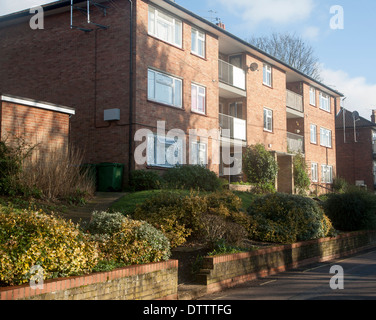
[325, 102]
[313, 133]
[175, 26]
[267, 75]
[325, 137]
[326, 174]
[268, 119]
[155, 152]
[198, 39]
[314, 172]
[176, 88]
[199, 154]
[312, 96]
[200, 96]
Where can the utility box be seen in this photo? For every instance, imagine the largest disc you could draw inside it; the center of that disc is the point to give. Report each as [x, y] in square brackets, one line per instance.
[111, 114]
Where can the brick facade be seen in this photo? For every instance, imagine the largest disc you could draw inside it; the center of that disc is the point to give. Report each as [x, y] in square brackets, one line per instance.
[91, 72]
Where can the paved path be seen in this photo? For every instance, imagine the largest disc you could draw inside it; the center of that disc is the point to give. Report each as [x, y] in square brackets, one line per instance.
[311, 283]
[101, 201]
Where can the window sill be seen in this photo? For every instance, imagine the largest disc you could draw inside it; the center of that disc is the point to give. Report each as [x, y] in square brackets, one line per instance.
[268, 131]
[166, 42]
[199, 113]
[266, 85]
[198, 56]
[165, 105]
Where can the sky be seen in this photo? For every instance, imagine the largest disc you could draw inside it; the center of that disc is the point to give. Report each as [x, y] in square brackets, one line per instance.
[347, 55]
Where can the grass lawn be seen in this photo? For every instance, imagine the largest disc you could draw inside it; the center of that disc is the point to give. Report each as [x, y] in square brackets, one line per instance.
[127, 204]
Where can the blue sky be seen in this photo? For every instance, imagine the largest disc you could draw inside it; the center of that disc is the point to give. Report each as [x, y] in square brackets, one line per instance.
[347, 56]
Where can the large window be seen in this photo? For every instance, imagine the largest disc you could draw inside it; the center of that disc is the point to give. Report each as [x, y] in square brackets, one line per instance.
[198, 43]
[326, 174]
[314, 172]
[164, 88]
[313, 133]
[164, 152]
[325, 137]
[267, 75]
[324, 102]
[165, 27]
[198, 94]
[312, 96]
[268, 120]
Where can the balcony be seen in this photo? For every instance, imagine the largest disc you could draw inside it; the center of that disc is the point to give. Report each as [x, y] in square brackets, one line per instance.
[294, 103]
[231, 80]
[237, 127]
[295, 143]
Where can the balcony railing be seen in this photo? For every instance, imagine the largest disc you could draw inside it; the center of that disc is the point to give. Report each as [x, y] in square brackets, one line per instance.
[295, 143]
[237, 127]
[231, 75]
[294, 101]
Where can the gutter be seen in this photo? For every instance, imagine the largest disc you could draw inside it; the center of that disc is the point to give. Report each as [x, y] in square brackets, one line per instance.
[130, 142]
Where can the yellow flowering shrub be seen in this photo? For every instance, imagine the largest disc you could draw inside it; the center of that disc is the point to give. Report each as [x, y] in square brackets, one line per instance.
[29, 238]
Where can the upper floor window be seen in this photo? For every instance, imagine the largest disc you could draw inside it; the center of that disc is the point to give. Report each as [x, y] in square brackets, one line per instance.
[198, 43]
[198, 98]
[165, 27]
[164, 88]
[324, 102]
[313, 131]
[325, 137]
[312, 96]
[267, 75]
[268, 120]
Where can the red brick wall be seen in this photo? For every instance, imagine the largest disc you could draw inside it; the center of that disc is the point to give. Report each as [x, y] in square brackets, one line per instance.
[45, 128]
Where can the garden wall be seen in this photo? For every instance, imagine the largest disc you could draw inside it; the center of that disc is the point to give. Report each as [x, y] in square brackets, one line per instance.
[142, 282]
[225, 271]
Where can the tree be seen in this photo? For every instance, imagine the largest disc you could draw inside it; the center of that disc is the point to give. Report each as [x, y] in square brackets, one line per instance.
[292, 50]
[301, 177]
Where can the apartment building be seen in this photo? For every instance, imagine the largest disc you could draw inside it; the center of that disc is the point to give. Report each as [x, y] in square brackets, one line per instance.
[356, 148]
[130, 64]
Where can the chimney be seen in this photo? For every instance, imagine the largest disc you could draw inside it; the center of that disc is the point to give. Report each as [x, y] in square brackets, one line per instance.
[373, 117]
[221, 25]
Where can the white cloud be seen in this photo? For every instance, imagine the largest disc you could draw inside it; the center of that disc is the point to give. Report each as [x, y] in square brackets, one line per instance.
[10, 6]
[311, 33]
[275, 11]
[361, 95]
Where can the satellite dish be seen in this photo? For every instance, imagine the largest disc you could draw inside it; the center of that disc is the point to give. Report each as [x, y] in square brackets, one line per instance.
[355, 115]
[253, 67]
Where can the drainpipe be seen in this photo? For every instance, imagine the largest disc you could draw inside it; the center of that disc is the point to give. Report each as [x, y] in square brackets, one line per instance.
[130, 89]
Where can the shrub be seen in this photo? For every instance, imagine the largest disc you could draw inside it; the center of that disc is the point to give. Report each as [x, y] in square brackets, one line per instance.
[283, 218]
[259, 165]
[353, 210]
[123, 241]
[301, 178]
[144, 180]
[192, 177]
[34, 238]
[340, 185]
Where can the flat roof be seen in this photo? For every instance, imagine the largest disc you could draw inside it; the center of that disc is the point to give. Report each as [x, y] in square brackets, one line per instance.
[37, 104]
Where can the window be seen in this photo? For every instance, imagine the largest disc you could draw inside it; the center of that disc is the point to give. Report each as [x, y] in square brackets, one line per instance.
[164, 152]
[198, 154]
[313, 133]
[312, 96]
[268, 120]
[325, 137]
[236, 110]
[198, 94]
[198, 43]
[267, 75]
[326, 174]
[324, 102]
[314, 172]
[165, 27]
[164, 89]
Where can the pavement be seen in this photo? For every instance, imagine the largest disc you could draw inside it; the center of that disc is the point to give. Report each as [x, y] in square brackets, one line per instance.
[312, 283]
[100, 202]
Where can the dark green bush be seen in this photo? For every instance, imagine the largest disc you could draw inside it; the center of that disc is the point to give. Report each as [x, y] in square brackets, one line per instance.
[192, 177]
[141, 180]
[283, 218]
[353, 210]
[301, 177]
[259, 165]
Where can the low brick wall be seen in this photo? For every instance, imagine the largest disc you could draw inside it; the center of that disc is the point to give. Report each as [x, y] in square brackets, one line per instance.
[141, 282]
[225, 271]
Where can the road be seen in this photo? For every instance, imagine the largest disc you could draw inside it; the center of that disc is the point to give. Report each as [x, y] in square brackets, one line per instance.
[312, 283]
